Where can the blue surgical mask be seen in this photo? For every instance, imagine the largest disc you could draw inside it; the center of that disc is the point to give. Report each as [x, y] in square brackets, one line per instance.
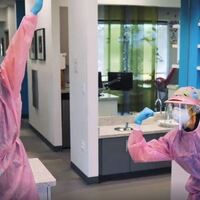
[181, 115]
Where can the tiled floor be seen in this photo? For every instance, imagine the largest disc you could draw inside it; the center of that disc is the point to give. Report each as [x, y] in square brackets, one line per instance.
[71, 187]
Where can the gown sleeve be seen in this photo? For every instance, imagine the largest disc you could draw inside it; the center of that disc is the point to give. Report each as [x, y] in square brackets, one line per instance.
[154, 150]
[14, 63]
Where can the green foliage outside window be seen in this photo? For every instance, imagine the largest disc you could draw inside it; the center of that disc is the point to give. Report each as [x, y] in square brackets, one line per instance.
[130, 44]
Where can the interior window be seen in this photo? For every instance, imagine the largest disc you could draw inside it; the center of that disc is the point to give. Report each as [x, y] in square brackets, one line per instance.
[162, 68]
[137, 40]
[120, 49]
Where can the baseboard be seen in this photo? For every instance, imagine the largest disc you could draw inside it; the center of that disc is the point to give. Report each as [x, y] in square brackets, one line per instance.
[25, 116]
[103, 178]
[51, 146]
[88, 180]
[137, 174]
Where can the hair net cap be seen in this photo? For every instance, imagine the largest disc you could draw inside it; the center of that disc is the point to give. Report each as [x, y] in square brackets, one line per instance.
[185, 95]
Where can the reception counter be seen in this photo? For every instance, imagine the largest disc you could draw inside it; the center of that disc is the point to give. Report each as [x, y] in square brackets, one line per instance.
[149, 126]
[114, 158]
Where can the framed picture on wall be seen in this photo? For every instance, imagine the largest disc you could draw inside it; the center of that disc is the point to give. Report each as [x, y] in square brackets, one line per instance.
[40, 44]
[33, 49]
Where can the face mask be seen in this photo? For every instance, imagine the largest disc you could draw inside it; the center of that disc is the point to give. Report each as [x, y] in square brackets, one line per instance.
[180, 115]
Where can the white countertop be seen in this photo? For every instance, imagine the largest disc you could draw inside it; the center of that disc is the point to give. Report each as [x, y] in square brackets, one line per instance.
[171, 86]
[110, 132]
[149, 126]
[41, 174]
[107, 97]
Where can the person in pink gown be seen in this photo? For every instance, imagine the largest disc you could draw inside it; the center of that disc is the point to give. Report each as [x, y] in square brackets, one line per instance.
[180, 144]
[16, 178]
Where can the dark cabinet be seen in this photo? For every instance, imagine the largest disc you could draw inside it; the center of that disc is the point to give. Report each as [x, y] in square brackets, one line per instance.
[65, 121]
[149, 165]
[115, 159]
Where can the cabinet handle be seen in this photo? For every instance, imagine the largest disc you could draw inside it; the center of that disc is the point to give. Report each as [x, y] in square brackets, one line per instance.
[126, 145]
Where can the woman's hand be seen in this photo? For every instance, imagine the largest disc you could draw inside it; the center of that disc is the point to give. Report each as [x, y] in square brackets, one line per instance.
[37, 7]
[144, 114]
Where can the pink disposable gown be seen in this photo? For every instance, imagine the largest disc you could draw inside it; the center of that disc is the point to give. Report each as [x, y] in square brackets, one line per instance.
[178, 145]
[16, 179]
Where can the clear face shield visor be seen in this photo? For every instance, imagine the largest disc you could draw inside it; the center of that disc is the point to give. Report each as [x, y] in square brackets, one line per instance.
[180, 113]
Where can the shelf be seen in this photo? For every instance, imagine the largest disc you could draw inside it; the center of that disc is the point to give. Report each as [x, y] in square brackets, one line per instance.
[175, 66]
[176, 46]
[176, 26]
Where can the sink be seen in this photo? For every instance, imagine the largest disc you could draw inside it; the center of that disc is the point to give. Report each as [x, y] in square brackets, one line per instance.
[123, 129]
[168, 123]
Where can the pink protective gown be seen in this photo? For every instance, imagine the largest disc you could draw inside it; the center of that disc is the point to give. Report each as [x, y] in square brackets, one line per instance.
[178, 145]
[16, 179]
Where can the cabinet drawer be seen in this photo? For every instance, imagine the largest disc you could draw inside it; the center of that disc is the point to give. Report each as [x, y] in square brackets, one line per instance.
[113, 156]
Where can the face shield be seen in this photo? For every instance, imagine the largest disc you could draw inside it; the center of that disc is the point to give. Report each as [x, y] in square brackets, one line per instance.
[182, 105]
[180, 113]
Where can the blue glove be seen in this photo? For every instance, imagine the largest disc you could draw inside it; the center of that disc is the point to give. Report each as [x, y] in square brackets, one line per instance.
[37, 7]
[144, 114]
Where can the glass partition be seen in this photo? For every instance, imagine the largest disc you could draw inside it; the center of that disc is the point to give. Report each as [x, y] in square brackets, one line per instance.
[134, 40]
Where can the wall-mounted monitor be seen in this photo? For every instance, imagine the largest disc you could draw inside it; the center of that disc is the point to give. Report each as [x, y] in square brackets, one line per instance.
[120, 80]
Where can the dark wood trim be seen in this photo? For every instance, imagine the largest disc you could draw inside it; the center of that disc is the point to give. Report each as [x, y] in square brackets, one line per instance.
[88, 180]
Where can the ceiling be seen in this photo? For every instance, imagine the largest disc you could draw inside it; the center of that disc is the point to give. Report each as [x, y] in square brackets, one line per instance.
[6, 3]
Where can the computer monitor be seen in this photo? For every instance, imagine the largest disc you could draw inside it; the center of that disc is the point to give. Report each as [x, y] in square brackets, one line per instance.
[120, 80]
[100, 83]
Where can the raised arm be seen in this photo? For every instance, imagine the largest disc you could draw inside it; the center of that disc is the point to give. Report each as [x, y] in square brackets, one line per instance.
[154, 150]
[142, 151]
[14, 62]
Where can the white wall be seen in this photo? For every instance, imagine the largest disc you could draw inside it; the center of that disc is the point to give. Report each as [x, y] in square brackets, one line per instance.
[8, 23]
[3, 14]
[83, 85]
[83, 106]
[11, 21]
[159, 3]
[83, 77]
[179, 178]
[64, 47]
[47, 119]
[8, 15]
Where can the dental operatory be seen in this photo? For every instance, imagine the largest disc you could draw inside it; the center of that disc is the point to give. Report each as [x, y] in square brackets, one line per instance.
[99, 99]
